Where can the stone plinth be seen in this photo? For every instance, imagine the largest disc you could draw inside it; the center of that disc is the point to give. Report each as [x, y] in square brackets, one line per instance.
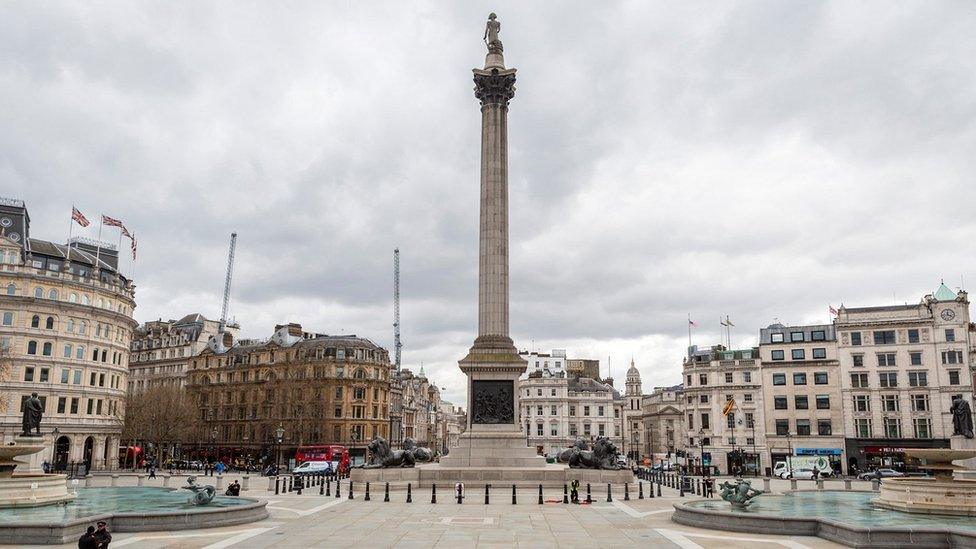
[30, 463]
[34, 490]
[968, 466]
[492, 449]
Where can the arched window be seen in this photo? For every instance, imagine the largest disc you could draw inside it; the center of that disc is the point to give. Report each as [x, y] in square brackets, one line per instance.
[52, 294]
[80, 352]
[11, 289]
[85, 300]
[35, 321]
[50, 323]
[73, 298]
[98, 330]
[32, 347]
[8, 319]
[359, 374]
[71, 325]
[104, 355]
[94, 355]
[67, 351]
[47, 348]
[83, 327]
[39, 293]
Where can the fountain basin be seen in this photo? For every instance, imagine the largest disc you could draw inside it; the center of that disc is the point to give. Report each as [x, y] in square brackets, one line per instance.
[11, 451]
[126, 509]
[33, 490]
[929, 496]
[847, 517]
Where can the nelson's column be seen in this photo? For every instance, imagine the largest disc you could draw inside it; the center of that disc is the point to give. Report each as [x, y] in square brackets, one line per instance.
[493, 366]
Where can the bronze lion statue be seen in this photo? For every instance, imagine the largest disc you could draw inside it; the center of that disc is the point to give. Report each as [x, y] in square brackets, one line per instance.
[567, 453]
[420, 454]
[381, 456]
[603, 456]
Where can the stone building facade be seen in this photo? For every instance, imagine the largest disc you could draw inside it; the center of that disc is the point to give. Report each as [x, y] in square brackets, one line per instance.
[65, 324]
[320, 389]
[555, 411]
[901, 366]
[160, 351]
[712, 377]
[801, 389]
[663, 423]
[631, 414]
[554, 362]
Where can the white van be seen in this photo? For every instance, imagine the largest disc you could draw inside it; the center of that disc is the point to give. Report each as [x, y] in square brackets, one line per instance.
[313, 468]
[781, 469]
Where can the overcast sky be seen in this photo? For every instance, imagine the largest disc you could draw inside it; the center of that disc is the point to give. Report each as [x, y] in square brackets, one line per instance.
[758, 159]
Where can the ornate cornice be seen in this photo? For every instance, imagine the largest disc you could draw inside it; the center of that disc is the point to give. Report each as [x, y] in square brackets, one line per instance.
[494, 87]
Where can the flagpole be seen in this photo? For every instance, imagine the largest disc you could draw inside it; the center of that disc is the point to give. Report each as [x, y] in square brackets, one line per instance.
[98, 245]
[689, 333]
[71, 222]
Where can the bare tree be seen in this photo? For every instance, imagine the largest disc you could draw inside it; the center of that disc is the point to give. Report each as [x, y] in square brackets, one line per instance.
[160, 415]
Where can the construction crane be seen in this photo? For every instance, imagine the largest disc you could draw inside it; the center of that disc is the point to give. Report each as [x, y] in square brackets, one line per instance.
[230, 275]
[396, 308]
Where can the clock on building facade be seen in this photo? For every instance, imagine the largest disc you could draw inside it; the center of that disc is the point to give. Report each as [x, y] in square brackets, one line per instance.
[948, 314]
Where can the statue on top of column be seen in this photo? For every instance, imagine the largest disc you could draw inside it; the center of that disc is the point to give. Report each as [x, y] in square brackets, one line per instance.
[491, 33]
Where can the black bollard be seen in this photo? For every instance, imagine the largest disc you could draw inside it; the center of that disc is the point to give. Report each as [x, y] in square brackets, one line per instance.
[626, 492]
[321, 488]
[290, 483]
[433, 493]
[565, 493]
[350, 489]
[698, 487]
[540, 494]
[487, 488]
[514, 500]
[386, 493]
[459, 492]
[338, 489]
[681, 488]
[299, 485]
[409, 494]
[658, 489]
[277, 485]
[366, 498]
[588, 498]
[640, 490]
[328, 487]
[609, 494]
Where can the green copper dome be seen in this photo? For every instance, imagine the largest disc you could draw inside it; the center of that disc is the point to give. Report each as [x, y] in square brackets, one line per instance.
[944, 293]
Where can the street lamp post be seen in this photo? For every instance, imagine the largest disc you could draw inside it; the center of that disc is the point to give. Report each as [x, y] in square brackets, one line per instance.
[213, 442]
[279, 433]
[789, 456]
[701, 450]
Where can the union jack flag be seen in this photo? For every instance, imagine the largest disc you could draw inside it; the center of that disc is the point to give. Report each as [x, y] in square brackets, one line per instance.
[112, 222]
[79, 217]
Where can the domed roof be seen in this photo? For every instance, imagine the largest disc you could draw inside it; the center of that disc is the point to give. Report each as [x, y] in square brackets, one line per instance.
[632, 371]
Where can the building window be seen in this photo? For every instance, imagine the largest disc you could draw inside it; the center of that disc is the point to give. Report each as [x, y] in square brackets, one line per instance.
[730, 421]
[74, 406]
[11, 289]
[80, 352]
[747, 377]
[889, 403]
[862, 427]
[782, 427]
[572, 410]
[803, 427]
[780, 403]
[32, 347]
[691, 421]
[747, 397]
[704, 421]
[538, 429]
[703, 379]
[337, 412]
[599, 411]
[65, 375]
[586, 429]
[823, 402]
[45, 374]
[855, 338]
[884, 337]
[818, 335]
[953, 377]
[950, 335]
[750, 420]
[728, 377]
[703, 399]
[776, 337]
[538, 410]
[913, 336]
[858, 360]
[920, 403]
[778, 354]
[923, 427]
[918, 379]
[820, 378]
[799, 378]
[553, 430]
[586, 410]
[796, 336]
[859, 380]
[888, 379]
[47, 349]
[801, 402]
[952, 357]
[820, 353]
[886, 359]
[601, 430]
[779, 379]
[35, 321]
[862, 403]
[8, 319]
[915, 358]
[824, 427]
[798, 354]
[29, 373]
[62, 402]
[892, 427]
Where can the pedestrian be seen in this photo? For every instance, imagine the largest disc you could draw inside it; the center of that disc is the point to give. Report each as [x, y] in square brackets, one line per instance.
[816, 474]
[574, 490]
[234, 489]
[102, 536]
[87, 540]
[152, 470]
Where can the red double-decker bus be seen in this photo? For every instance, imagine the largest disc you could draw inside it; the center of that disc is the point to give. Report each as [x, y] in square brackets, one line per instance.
[324, 452]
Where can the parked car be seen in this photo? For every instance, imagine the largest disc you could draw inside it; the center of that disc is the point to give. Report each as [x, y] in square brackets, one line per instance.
[799, 473]
[885, 473]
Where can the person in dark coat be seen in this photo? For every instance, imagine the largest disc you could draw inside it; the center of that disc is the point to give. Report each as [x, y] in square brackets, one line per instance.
[102, 536]
[87, 540]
